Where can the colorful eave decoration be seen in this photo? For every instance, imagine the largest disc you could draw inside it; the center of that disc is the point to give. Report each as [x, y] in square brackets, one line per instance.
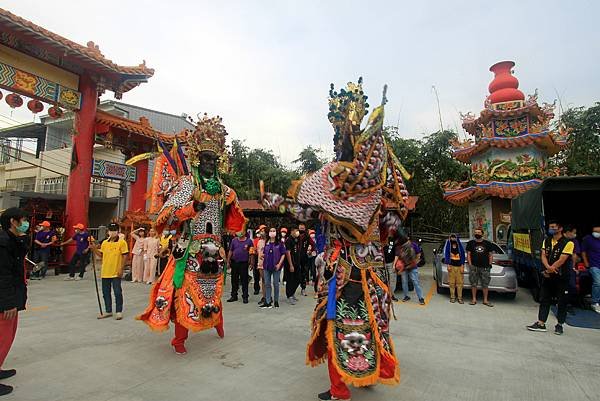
[105, 120]
[463, 196]
[29, 38]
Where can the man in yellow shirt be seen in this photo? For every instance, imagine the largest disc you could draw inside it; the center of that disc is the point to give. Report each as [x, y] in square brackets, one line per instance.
[557, 250]
[113, 251]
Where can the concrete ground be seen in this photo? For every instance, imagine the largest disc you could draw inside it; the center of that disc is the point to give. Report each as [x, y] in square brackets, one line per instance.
[446, 351]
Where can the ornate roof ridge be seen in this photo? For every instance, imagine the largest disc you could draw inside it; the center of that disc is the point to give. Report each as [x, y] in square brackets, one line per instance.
[90, 52]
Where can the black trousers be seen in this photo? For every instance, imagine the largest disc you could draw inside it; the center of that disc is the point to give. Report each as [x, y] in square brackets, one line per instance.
[292, 280]
[239, 273]
[162, 264]
[80, 262]
[304, 272]
[554, 290]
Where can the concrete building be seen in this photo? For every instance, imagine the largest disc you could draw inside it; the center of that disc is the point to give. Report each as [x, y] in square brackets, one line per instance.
[35, 161]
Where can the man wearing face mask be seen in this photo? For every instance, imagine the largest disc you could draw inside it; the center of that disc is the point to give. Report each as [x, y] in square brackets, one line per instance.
[389, 255]
[479, 256]
[292, 272]
[556, 256]
[13, 293]
[591, 259]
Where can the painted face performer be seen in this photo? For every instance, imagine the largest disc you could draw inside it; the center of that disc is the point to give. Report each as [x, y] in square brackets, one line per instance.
[359, 200]
[202, 208]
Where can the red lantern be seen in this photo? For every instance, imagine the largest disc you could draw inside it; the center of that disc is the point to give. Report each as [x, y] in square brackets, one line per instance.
[14, 100]
[1, 95]
[55, 112]
[35, 106]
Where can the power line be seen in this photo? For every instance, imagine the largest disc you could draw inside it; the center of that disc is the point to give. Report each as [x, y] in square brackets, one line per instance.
[50, 170]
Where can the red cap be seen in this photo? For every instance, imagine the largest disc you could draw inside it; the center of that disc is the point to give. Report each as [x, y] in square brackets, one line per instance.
[283, 230]
[311, 232]
[45, 223]
[79, 226]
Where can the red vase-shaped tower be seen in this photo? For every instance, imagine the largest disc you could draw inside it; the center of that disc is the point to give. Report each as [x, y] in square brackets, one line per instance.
[504, 86]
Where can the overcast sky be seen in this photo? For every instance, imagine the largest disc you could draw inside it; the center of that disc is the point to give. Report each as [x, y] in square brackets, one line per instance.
[266, 66]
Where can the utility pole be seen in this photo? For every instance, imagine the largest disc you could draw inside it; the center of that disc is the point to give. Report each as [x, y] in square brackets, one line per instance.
[437, 98]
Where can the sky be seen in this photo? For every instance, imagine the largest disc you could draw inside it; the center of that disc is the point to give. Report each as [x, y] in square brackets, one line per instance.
[266, 66]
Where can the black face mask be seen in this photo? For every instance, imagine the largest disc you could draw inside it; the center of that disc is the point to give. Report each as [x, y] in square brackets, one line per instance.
[478, 236]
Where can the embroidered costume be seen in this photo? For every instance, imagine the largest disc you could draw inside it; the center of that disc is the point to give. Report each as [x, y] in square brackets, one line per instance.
[359, 200]
[202, 208]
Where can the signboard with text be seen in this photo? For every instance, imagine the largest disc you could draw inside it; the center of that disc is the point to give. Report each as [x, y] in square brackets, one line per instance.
[522, 242]
[115, 171]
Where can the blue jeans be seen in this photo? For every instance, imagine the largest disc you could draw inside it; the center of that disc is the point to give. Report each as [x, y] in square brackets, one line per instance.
[272, 276]
[115, 283]
[414, 277]
[595, 273]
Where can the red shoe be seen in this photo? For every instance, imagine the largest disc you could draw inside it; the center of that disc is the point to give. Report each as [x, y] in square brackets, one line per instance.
[179, 349]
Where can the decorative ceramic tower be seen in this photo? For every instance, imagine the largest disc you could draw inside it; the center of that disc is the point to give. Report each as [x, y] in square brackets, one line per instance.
[508, 156]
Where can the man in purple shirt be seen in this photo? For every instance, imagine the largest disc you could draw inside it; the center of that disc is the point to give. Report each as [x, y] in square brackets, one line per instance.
[43, 240]
[239, 257]
[82, 251]
[590, 250]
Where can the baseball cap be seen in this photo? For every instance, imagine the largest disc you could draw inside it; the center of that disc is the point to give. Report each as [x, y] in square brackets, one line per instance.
[79, 226]
[311, 231]
[283, 230]
[113, 227]
[45, 223]
[262, 227]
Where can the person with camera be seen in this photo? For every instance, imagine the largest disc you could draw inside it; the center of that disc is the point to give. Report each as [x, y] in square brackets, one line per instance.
[406, 262]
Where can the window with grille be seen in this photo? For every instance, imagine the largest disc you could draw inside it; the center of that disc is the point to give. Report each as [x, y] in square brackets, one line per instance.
[98, 188]
[54, 185]
[26, 184]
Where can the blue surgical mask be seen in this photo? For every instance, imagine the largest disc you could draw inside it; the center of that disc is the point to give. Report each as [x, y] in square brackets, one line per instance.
[552, 231]
[23, 227]
[173, 232]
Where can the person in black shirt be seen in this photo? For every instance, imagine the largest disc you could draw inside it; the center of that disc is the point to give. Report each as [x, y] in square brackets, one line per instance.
[303, 242]
[479, 257]
[391, 274]
[13, 287]
[557, 251]
[292, 267]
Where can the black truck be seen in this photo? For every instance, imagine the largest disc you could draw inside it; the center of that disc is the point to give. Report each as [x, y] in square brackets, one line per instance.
[568, 200]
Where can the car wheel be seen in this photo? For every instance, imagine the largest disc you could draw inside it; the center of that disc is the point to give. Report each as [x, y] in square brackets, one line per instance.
[440, 289]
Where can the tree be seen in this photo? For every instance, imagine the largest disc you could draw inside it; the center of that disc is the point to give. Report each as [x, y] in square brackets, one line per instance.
[582, 154]
[249, 166]
[430, 161]
[310, 160]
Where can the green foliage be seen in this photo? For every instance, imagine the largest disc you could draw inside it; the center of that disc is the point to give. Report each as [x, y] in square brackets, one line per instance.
[310, 160]
[430, 162]
[249, 166]
[582, 156]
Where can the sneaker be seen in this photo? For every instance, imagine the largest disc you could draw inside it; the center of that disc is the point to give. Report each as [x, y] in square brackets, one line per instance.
[394, 298]
[327, 396]
[303, 292]
[596, 308]
[558, 329]
[245, 300]
[276, 304]
[291, 301]
[232, 299]
[261, 302]
[104, 315]
[5, 374]
[421, 301]
[537, 327]
[118, 316]
[78, 278]
[68, 278]
[179, 349]
[266, 306]
[4, 389]
[406, 299]
[294, 298]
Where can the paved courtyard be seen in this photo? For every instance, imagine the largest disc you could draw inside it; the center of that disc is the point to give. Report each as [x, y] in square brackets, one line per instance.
[446, 351]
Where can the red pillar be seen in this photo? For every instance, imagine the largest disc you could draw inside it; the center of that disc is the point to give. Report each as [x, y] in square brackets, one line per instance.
[78, 192]
[137, 197]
